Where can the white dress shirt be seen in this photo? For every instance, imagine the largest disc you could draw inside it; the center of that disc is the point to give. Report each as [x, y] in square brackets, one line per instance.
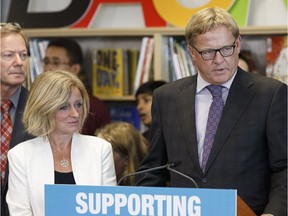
[203, 102]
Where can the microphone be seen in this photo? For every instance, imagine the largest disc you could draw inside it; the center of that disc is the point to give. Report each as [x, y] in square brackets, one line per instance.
[144, 171]
[182, 174]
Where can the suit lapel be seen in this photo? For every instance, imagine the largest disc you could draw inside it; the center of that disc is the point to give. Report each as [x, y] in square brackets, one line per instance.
[78, 162]
[185, 103]
[240, 94]
[47, 162]
[19, 134]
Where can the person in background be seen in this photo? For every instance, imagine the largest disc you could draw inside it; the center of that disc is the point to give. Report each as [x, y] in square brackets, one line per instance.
[129, 148]
[143, 97]
[56, 109]
[248, 149]
[243, 63]
[66, 54]
[246, 61]
[14, 58]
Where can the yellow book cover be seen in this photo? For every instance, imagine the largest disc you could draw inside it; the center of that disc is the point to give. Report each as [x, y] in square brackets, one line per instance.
[108, 72]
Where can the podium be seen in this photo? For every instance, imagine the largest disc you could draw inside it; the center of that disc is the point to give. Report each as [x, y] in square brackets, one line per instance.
[124, 200]
[243, 209]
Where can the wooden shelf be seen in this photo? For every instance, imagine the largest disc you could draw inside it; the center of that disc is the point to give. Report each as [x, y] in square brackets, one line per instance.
[264, 30]
[117, 98]
[115, 32]
[160, 35]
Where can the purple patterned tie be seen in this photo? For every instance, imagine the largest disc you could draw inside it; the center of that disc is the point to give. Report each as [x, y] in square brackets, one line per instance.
[212, 122]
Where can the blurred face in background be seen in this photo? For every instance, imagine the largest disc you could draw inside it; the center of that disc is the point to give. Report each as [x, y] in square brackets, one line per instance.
[243, 64]
[13, 60]
[144, 103]
[57, 58]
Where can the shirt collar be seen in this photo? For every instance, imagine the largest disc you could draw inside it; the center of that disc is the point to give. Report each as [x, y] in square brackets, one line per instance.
[201, 83]
[15, 97]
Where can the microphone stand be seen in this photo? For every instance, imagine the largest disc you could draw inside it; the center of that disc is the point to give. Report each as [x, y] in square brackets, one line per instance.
[182, 174]
[167, 166]
[143, 171]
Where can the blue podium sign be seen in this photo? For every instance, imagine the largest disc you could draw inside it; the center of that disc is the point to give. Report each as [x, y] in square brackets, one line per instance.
[75, 200]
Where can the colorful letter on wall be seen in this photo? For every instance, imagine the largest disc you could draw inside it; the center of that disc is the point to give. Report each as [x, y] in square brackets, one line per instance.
[178, 15]
[157, 13]
[76, 14]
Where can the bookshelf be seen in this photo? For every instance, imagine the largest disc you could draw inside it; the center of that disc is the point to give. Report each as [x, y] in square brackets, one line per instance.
[131, 38]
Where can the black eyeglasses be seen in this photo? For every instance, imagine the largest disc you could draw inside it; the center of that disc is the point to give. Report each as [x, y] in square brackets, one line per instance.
[210, 54]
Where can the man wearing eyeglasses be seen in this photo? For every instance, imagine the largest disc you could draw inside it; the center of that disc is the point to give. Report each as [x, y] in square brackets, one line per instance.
[13, 61]
[226, 128]
[66, 54]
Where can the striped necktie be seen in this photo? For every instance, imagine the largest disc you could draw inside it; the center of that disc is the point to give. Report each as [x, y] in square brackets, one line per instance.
[6, 133]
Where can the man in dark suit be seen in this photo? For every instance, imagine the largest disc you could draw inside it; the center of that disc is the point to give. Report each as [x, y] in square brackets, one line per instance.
[249, 149]
[13, 61]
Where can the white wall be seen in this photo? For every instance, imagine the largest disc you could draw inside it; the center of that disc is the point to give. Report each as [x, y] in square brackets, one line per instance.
[267, 12]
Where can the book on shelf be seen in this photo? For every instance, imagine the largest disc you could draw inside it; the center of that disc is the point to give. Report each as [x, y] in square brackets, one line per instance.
[132, 56]
[146, 69]
[27, 83]
[37, 48]
[144, 66]
[125, 73]
[277, 58]
[113, 71]
[191, 67]
[107, 72]
[127, 114]
[180, 63]
[174, 61]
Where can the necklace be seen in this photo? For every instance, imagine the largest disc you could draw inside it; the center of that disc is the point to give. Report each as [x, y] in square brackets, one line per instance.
[64, 162]
[61, 156]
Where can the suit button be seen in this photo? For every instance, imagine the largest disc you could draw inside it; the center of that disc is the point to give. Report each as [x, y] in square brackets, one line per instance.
[204, 180]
